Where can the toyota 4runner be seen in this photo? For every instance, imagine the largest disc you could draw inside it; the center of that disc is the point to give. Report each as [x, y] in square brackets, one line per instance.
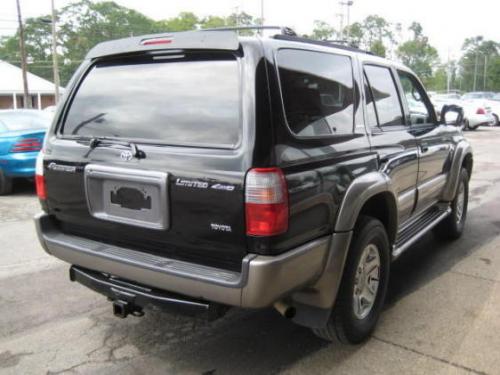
[204, 170]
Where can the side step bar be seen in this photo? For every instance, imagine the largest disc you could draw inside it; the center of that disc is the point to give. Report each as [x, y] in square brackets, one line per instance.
[415, 230]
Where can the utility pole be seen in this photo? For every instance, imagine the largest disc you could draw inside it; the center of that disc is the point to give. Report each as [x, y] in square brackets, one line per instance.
[54, 53]
[237, 14]
[26, 96]
[484, 74]
[262, 16]
[348, 5]
[341, 28]
[448, 75]
[475, 74]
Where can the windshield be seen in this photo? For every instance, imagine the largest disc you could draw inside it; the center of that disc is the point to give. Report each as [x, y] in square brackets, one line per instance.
[24, 120]
[184, 101]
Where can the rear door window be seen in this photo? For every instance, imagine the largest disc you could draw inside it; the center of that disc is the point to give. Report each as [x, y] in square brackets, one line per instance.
[317, 91]
[371, 114]
[184, 101]
[384, 95]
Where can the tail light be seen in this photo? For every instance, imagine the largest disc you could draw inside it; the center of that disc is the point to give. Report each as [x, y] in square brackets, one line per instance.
[266, 202]
[27, 145]
[480, 111]
[41, 191]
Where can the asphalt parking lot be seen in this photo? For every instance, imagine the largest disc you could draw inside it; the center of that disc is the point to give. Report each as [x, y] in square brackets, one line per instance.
[442, 315]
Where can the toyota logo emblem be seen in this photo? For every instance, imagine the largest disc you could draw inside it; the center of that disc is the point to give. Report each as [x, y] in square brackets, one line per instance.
[126, 155]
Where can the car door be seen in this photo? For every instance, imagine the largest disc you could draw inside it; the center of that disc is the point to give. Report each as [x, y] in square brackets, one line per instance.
[434, 140]
[391, 136]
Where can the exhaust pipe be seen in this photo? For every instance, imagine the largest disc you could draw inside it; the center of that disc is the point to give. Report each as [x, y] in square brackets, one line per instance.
[285, 309]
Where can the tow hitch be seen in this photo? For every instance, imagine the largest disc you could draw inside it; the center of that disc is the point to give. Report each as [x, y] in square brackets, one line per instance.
[121, 309]
[129, 298]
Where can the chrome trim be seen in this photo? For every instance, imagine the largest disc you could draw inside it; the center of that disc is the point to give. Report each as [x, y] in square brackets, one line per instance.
[155, 218]
[397, 251]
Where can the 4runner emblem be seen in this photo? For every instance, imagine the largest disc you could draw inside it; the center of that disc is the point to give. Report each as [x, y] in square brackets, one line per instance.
[126, 156]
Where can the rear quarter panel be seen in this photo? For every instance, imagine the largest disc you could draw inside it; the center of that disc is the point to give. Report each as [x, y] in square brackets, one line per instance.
[318, 171]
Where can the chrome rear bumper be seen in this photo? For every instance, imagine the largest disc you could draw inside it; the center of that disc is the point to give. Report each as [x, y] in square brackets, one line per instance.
[262, 281]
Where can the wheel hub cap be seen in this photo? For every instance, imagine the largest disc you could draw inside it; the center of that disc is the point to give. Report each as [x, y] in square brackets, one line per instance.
[366, 282]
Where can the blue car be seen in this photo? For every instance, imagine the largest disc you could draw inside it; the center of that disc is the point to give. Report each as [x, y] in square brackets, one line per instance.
[21, 138]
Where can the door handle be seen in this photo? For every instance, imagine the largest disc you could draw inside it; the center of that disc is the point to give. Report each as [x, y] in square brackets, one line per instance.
[424, 148]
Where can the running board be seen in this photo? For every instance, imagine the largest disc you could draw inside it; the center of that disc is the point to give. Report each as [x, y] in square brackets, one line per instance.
[412, 232]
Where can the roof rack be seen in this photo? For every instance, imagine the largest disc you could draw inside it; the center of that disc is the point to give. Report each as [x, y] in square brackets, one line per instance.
[327, 43]
[344, 42]
[285, 30]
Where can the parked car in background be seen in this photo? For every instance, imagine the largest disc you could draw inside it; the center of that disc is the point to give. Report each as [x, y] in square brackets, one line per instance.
[484, 100]
[50, 108]
[476, 112]
[21, 138]
[478, 95]
[494, 104]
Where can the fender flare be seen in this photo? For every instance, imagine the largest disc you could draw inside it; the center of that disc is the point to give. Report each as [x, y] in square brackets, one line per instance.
[463, 148]
[358, 193]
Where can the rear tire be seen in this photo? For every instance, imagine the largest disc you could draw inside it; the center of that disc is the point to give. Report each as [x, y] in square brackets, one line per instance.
[452, 227]
[497, 120]
[5, 184]
[363, 287]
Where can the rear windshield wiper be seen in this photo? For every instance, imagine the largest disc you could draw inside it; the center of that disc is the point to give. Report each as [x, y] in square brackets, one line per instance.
[98, 141]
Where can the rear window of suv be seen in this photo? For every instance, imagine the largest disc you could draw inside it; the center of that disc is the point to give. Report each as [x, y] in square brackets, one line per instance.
[182, 101]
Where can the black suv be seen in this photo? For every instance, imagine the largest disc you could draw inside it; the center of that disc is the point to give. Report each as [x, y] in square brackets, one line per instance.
[205, 170]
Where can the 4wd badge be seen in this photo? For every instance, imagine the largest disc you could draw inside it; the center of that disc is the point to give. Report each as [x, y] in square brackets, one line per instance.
[126, 155]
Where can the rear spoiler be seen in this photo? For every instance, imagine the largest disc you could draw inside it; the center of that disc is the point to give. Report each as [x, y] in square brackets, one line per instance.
[221, 40]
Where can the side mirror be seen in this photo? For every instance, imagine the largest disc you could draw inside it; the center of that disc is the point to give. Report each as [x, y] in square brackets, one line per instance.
[455, 115]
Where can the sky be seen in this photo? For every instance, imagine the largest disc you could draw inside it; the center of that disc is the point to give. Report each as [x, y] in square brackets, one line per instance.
[446, 22]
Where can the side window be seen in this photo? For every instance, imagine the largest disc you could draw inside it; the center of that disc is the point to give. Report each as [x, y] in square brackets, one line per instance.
[385, 95]
[413, 94]
[371, 114]
[317, 90]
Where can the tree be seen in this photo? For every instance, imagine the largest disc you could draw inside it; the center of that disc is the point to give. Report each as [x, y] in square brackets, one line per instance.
[354, 33]
[438, 82]
[377, 34]
[322, 31]
[479, 61]
[378, 48]
[183, 22]
[81, 26]
[374, 34]
[213, 21]
[493, 82]
[242, 19]
[418, 54]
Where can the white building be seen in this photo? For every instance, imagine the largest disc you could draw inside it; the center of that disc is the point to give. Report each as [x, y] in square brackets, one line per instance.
[42, 92]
